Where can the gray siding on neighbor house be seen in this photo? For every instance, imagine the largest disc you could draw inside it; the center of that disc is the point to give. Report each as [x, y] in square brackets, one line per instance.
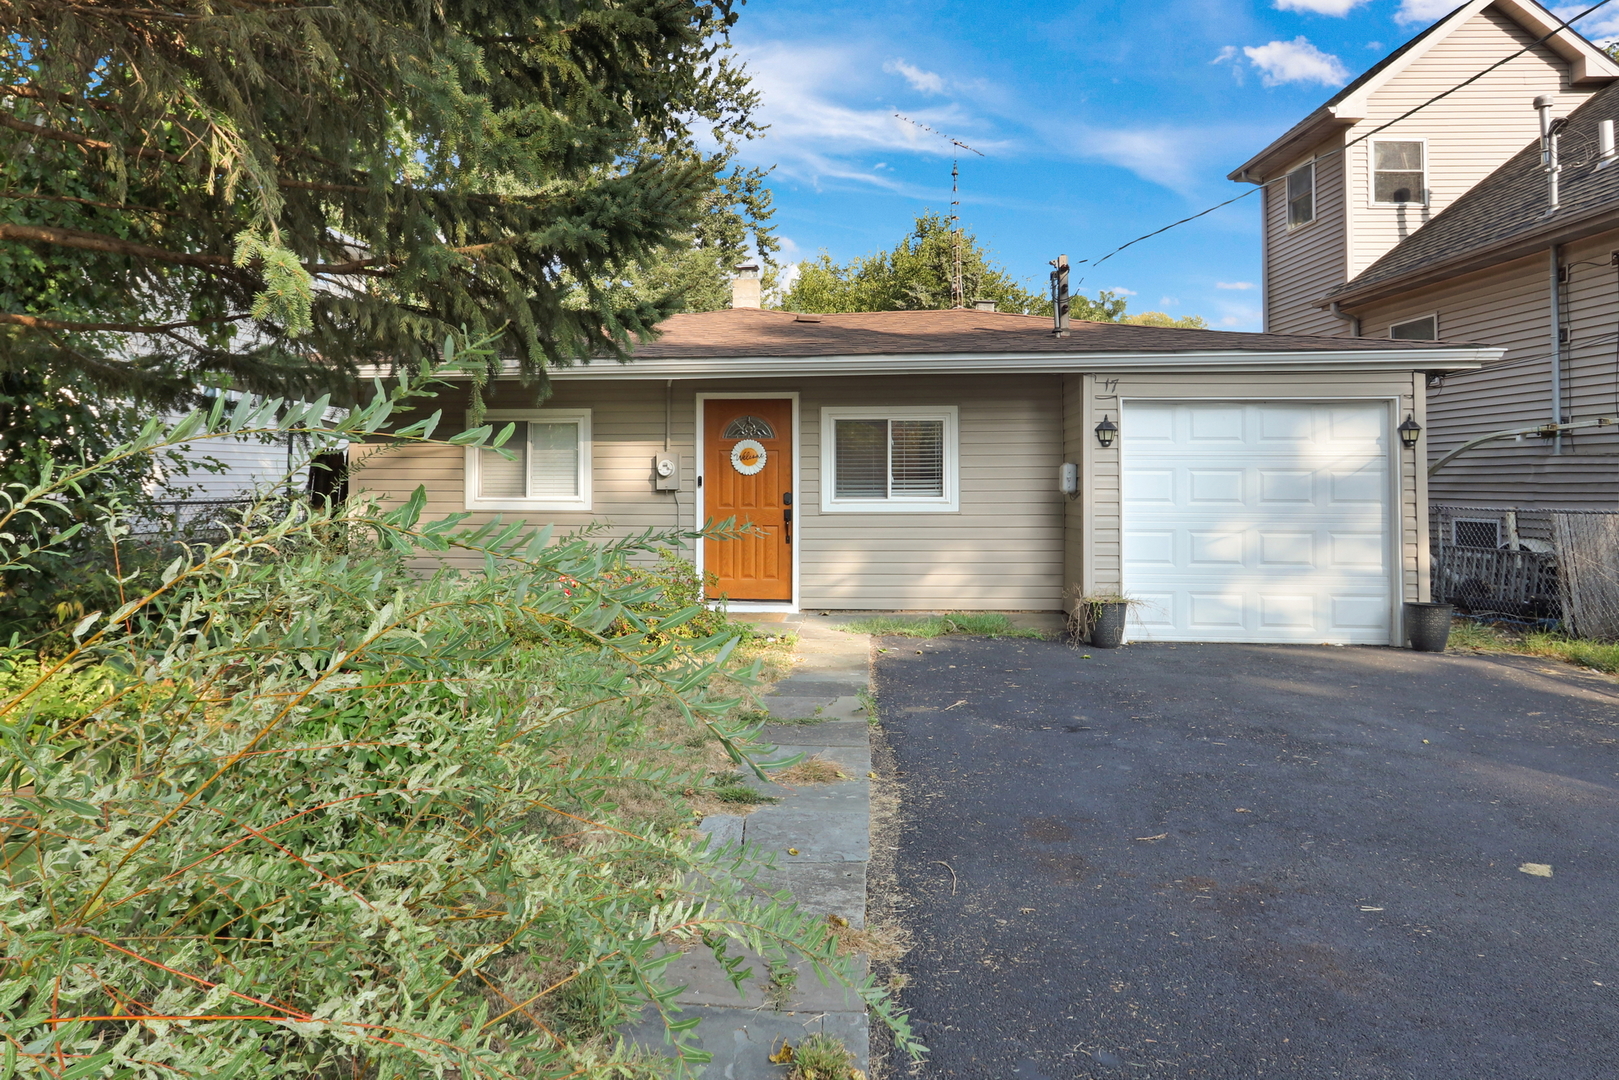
[1510, 305]
[1470, 133]
[1302, 263]
[1002, 550]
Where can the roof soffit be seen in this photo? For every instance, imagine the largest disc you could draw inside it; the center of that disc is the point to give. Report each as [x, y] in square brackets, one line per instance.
[1587, 64]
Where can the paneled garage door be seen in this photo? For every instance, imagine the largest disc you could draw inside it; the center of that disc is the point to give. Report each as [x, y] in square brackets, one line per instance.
[1257, 521]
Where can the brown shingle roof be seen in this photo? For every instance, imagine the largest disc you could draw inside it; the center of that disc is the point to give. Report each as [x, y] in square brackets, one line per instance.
[764, 332]
[1506, 211]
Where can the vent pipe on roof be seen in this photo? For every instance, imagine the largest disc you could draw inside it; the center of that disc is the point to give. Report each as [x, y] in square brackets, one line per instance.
[1059, 296]
[745, 287]
[1548, 148]
[1606, 154]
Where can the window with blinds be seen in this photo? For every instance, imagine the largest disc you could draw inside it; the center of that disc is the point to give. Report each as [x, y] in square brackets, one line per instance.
[544, 464]
[889, 459]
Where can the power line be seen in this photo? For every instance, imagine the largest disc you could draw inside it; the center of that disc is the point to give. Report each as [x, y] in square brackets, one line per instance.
[1359, 139]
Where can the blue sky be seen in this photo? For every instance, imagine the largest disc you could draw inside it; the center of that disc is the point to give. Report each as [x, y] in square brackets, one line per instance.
[1100, 121]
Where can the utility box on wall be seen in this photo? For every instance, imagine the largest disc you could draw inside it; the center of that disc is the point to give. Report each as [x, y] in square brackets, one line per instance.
[666, 472]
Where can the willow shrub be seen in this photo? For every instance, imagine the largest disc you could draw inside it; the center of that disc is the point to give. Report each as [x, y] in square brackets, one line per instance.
[330, 819]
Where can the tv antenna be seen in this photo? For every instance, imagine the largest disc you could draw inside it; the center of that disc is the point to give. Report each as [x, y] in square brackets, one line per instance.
[957, 289]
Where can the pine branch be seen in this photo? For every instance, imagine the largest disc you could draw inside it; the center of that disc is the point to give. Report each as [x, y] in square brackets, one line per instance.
[42, 132]
[110, 245]
[39, 322]
[84, 202]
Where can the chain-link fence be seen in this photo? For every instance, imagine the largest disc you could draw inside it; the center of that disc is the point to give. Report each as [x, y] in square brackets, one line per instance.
[1557, 568]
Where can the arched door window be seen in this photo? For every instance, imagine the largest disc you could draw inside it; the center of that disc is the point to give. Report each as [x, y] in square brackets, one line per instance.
[749, 427]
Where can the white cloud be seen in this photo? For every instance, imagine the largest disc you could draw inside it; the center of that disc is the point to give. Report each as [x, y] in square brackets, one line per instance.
[1602, 27]
[1227, 53]
[1168, 301]
[1231, 320]
[1233, 284]
[1156, 154]
[1416, 11]
[1120, 290]
[815, 136]
[927, 82]
[1296, 61]
[1319, 7]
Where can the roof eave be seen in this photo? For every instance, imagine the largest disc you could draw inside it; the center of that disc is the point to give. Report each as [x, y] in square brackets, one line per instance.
[1299, 140]
[1431, 358]
[1553, 231]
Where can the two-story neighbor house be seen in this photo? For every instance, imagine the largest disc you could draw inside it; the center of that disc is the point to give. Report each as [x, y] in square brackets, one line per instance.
[1414, 204]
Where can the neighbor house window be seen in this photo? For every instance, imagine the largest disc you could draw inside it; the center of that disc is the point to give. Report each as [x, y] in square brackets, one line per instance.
[545, 465]
[1399, 173]
[894, 459]
[1423, 329]
[1301, 195]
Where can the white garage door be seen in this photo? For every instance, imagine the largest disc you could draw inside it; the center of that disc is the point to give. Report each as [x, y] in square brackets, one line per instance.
[1257, 521]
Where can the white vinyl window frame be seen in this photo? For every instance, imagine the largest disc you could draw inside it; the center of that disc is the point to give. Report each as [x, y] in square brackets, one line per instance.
[1372, 170]
[1304, 174]
[1431, 318]
[497, 419]
[947, 503]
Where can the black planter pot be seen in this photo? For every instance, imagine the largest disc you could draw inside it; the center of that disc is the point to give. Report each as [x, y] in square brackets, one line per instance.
[1107, 626]
[1427, 626]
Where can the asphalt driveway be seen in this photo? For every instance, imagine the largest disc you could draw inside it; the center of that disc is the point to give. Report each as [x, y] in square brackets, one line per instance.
[1254, 861]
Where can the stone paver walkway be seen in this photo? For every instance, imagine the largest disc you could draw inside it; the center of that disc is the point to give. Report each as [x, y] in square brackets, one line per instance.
[816, 710]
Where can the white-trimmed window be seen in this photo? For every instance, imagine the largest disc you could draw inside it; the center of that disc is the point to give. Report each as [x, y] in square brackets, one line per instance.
[892, 459]
[1399, 172]
[545, 465]
[1423, 329]
[1301, 195]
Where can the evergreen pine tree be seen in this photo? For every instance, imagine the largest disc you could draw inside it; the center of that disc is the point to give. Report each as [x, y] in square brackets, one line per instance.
[274, 193]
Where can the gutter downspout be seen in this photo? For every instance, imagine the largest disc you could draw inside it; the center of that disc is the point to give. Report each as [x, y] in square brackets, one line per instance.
[1557, 349]
[1352, 320]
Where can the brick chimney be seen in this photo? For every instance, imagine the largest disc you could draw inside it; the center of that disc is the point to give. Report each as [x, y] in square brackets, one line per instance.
[745, 286]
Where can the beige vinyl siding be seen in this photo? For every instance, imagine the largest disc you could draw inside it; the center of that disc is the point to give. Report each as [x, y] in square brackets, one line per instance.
[1003, 550]
[1303, 385]
[1509, 305]
[1078, 441]
[1303, 263]
[1469, 134]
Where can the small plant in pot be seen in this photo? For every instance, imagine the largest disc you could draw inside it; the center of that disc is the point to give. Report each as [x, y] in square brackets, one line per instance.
[1099, 619]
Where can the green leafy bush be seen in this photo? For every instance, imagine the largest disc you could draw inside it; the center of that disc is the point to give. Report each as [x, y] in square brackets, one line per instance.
[334, 820]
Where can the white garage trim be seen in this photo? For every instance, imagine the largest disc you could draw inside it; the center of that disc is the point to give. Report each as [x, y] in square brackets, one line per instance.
[1340, 598]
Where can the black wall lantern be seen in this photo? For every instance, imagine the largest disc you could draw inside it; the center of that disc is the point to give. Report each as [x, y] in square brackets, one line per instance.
[1106, 432]
[1409, 432]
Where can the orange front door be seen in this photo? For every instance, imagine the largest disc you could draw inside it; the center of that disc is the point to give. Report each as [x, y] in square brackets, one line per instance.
[748, 475]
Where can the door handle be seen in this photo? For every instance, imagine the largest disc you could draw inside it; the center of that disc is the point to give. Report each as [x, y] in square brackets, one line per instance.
[787, 516]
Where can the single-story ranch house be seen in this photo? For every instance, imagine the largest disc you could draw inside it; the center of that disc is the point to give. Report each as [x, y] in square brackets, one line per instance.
[1242, 486]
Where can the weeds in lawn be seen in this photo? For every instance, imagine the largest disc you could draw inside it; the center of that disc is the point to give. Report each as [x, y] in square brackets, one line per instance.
[982, 623]
[330, 818]
[815, 770]
[1495, 637]
[868, 701]
[823, 1057]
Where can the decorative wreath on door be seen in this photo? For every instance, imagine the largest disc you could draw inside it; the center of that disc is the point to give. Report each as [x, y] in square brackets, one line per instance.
[748, 457]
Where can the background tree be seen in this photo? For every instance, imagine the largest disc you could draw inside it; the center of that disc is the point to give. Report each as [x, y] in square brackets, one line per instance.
[916, 275]
[1161, 318]
[272, 193]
